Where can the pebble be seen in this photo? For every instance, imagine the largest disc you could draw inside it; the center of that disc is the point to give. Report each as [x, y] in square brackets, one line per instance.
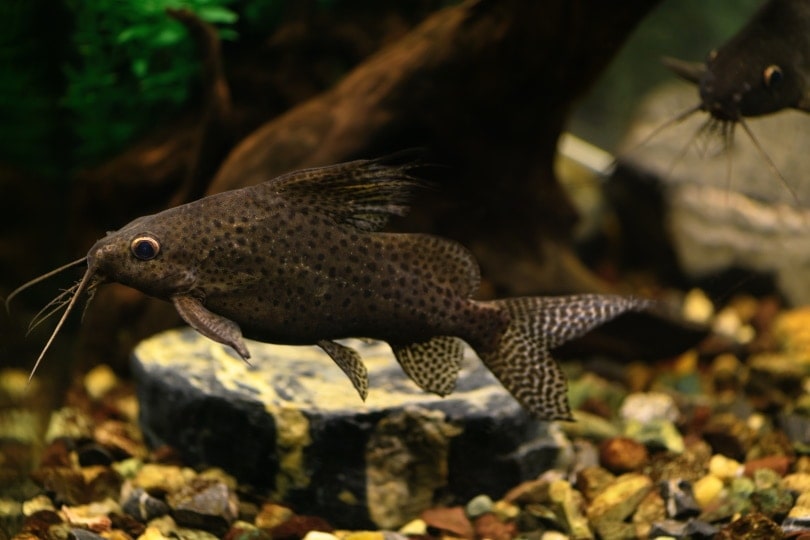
[622, 454]
[204, 504]
[646, 407]
[650, 509]
[593, 480]
[691, 530]
[707, 489]
[569, 503]
[697, 307]
[798, 482]
[728, 435]
[777, 465]
[661, 434]
[478, 506]
[157, 478]
[70, 423]
[679, 499]
[505, 511]
[753, 526]
[724, 467]
[416, 527]
[142, 506]
[99, 381]
[619, 499]
[320, 535]
[773, 502]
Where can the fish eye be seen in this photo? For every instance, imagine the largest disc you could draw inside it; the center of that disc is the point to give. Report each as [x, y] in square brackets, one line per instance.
[145, 248]
[772, 75]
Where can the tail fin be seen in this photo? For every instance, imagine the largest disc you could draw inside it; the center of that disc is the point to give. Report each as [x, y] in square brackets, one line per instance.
[522, 359]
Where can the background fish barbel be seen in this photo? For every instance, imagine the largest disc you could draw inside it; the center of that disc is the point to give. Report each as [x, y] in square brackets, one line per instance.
[300, 260]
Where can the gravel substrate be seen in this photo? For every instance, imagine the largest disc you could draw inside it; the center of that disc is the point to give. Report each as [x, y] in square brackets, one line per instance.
[712, 444]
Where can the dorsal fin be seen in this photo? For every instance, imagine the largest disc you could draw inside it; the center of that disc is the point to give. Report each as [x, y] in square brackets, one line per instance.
[362, 193]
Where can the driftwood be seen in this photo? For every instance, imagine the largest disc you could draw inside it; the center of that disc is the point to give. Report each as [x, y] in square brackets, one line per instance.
[485, 86]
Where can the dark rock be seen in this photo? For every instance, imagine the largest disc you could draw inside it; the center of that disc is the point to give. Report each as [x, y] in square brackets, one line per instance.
[293, 424]
[93, 454]
[128, 524]
[729, 435]
[204, 504]
[773, 502]
[297, 527]
[796, 524]
[754, 526]
[796, 427]
[679, 499]
[142, 506]
[692, 529]
[83, 534]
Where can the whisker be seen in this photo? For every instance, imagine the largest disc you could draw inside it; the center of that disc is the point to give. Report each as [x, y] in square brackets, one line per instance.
[677, 119]
[768, 160]
[41, 278]
[80, 288]
[693, 140]
[728, 143]
[60, 300]
[91, 293]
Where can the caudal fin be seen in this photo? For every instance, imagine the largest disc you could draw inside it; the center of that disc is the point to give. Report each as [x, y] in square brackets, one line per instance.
[522, 360]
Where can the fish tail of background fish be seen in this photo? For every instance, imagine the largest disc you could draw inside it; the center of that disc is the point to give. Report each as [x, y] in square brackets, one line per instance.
[522, 359]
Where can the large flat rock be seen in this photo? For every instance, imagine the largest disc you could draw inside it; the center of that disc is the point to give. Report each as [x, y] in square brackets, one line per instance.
[292, 423]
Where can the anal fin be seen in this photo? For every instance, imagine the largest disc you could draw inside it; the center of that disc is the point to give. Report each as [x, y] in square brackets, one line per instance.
[434, 364]
[349, 361]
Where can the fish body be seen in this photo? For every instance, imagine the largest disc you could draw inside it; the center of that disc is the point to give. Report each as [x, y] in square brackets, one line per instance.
[300, 260]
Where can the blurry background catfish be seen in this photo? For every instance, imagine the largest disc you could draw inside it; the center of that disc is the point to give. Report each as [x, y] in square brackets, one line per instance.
[763, 69]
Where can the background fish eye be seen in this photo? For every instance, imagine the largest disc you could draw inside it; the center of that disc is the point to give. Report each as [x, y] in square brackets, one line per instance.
[772, 75]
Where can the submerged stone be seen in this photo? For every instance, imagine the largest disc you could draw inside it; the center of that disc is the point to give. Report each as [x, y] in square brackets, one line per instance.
[292, 423]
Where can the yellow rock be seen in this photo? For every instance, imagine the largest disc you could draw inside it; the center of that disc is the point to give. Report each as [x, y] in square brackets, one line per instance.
[417, 527]
[365, 535]
[707, 489]
[167, 478]
[799, 482]
[271, 515]
[791, 329]
[619, 499]
[152, 533]
[724, 467]
[697, 307]
[505, 511]
[100, 380]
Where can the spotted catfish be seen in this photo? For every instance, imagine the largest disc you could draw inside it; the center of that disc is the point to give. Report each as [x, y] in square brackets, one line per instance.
[300, 260]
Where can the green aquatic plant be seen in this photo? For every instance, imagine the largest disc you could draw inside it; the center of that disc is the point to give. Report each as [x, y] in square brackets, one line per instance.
[133, 65]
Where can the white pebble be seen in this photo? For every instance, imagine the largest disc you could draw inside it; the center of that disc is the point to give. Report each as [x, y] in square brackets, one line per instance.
[648, 406]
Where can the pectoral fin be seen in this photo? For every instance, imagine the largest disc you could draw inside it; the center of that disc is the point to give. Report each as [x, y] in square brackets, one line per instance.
[349, 361]
[432, 364]
[210, 324]
[689, 71]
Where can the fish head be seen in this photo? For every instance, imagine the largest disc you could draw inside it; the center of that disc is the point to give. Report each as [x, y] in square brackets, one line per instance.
[734, 87]
[144, 256]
